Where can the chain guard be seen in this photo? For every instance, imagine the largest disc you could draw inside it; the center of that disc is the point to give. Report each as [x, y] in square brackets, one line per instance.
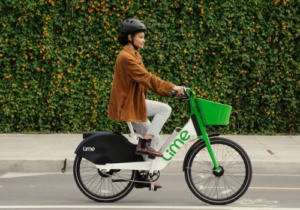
[110, 174]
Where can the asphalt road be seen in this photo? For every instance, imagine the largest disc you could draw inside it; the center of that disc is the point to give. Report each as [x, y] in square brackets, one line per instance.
[59, 191]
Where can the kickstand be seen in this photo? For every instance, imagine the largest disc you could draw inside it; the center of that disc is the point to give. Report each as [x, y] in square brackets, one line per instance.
[151, 188]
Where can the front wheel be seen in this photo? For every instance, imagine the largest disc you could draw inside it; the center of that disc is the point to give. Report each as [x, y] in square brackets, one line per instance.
[218, 188]
[102, 186]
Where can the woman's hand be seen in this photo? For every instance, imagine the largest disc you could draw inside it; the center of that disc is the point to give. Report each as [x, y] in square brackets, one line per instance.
[179, 90]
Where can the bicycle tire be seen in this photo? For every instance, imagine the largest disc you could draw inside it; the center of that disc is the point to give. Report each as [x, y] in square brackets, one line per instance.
[109, 192]
[214, 181]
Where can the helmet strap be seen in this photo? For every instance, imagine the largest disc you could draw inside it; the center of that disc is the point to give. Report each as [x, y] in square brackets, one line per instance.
[131, 42]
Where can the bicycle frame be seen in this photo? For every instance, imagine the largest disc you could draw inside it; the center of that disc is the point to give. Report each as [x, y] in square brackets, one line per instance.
[193, 130]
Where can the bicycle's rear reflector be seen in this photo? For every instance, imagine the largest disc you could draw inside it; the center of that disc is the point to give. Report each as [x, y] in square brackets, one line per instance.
[214, 113]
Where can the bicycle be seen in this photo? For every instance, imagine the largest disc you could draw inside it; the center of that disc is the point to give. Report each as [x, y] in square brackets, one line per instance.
[217, 170]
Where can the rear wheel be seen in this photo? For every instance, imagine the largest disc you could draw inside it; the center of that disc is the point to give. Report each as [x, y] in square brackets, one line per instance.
[102, 186]
[218, 188]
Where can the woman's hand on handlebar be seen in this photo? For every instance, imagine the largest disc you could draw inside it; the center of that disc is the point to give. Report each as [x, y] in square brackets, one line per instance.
[179, 90]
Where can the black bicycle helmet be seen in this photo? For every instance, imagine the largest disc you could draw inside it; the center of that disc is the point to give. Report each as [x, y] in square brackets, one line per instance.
[130, 26]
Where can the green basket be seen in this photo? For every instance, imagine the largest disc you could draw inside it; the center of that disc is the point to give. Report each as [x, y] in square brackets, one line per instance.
[214, 113]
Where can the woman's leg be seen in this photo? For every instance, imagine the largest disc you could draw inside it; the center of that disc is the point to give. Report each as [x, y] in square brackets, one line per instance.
[142, 128]
[161, 113]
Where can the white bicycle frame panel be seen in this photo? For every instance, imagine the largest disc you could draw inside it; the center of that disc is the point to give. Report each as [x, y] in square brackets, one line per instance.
[171, 147]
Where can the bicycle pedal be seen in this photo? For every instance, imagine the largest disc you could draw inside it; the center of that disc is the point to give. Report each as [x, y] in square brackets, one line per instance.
[151, 156]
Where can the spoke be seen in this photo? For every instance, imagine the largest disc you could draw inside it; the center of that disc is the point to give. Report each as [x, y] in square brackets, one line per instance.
[231, 188]
[230, 183]
[225, 157]
[194, 171]
[231, 175]
[225, 185]
[89, 179]
[216, 184]
[88, 164]
[207, 162]
[112, 185]
[87, 170]
[207, 182]
[234, 160]
[101, 185]
[97, 185]
[227, 188]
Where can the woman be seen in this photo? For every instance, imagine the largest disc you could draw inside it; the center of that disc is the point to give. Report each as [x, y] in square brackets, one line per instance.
[128, 99]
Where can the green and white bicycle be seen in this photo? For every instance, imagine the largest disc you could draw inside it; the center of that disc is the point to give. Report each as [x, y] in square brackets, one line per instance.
[217, 170]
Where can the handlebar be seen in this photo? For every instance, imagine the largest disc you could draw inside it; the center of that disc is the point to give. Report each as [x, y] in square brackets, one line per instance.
[184, 95]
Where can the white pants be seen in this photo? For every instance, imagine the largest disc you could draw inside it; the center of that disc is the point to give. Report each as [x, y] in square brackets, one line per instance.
[161, 113]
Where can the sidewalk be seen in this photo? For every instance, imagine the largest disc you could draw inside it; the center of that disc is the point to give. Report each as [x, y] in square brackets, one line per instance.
[46, 153]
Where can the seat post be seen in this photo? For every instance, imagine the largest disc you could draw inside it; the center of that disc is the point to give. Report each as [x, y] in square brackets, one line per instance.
[130, 128]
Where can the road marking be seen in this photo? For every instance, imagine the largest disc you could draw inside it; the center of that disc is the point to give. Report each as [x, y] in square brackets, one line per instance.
[18, 175]
[274, 188]
[137, 207]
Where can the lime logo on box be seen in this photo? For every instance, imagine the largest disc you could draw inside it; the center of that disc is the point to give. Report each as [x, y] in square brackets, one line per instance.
[170, 151]
[89, 149]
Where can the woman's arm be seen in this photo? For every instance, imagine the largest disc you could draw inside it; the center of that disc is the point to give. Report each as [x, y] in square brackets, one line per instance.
[149, 80]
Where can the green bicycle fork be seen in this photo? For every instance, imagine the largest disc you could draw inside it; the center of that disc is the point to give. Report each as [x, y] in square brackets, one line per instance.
[195, 111]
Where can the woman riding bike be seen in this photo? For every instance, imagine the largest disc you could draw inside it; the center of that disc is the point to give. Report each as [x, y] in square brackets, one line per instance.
[128, 99]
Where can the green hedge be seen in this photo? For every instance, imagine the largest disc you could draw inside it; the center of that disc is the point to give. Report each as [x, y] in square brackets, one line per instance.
[57, 61]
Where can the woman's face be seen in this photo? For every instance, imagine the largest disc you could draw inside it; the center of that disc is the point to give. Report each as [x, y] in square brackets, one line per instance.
[138, 39]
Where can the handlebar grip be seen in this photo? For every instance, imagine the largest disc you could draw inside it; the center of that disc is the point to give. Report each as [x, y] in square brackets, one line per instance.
[173, 93]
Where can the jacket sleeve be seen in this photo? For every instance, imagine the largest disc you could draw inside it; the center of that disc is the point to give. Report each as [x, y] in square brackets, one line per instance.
[151, 81]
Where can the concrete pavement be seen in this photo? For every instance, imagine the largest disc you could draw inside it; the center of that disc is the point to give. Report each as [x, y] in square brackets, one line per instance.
[38, 153]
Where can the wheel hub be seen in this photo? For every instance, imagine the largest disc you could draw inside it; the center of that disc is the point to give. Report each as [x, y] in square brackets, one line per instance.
[218, 174]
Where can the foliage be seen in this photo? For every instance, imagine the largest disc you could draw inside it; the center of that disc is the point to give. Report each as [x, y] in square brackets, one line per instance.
[57, 61]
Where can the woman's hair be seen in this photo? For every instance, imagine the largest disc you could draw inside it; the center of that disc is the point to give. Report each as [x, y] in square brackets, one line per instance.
[123, 39]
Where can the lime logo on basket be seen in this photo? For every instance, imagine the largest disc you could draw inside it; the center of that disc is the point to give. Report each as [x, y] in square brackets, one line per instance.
[170, 151]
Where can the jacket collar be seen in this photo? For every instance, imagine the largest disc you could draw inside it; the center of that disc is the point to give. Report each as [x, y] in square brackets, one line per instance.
[135, 55]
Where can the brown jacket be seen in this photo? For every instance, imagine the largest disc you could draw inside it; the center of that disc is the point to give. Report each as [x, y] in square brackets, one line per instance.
[129, 90]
